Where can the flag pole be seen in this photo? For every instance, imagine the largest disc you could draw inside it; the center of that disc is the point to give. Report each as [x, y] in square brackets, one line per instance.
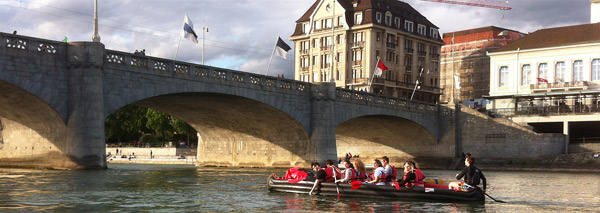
[177, 51]
[271, 59]
[417, 84]
[373, 76]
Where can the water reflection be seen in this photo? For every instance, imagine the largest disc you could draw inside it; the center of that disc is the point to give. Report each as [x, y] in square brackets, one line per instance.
[184, 188]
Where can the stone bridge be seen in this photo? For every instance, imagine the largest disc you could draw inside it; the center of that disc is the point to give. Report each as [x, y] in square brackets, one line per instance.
[55, 97]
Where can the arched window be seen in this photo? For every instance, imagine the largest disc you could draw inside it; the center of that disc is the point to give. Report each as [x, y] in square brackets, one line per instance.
[596, 70]
[526, 74]
[503, 76]
[559, 76]
[578, 71]
[543, 72]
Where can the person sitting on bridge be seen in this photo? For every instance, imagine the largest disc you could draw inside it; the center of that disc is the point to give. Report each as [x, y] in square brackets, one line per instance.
[390, 170]
[472, 176]
[320, 175]
[378, 176]
[361, 171]
[332, 170]
[349, 172]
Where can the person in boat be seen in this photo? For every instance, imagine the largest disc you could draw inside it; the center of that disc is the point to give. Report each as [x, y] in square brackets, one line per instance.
[361, 171]
[349, 172]
[320, 176]
[390, 170]
[472, 177]
[331, 171]
[378, 176]
[412, 176]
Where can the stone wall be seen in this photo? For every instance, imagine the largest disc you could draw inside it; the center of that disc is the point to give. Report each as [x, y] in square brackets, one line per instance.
[584, 147]
[487, 137]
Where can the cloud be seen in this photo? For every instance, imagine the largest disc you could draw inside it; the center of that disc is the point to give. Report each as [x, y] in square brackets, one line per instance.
[243, 32]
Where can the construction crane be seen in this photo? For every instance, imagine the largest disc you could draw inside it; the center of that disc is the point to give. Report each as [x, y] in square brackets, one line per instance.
[501, 5]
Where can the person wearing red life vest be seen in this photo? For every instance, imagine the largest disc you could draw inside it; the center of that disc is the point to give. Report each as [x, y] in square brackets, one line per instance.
[412, 176]
[378, 176]
[390, 170]
[361, 171]
[331, 169]
[349, 172]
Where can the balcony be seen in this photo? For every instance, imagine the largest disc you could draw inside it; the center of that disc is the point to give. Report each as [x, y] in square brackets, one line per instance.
[549, 110]
[357, 81]
[434, 55]
[325, 48]
[304, 52]
[581, 85]
[357, 63]
[407, 68]
[391, 45]
[305, 68]
[358, 44]
[409, 50]
[422, 53]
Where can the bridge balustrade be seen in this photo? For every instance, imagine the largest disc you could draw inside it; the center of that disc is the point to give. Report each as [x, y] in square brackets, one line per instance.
[177, 69]
[366, 98]
[30, 44]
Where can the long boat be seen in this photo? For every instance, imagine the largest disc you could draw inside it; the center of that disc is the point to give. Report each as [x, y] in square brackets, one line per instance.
[378, 191]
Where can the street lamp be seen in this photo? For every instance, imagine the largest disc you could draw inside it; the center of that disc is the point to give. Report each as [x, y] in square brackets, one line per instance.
[96, 37]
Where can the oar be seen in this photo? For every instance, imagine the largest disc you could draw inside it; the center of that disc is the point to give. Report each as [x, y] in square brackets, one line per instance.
[335, 181]
[499, 201]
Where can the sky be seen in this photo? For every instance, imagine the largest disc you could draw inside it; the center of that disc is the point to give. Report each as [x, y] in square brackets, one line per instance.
[242, 33]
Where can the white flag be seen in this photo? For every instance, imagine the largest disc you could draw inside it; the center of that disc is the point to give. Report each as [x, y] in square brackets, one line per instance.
[188, 30]
[281, 48]
[456, 82]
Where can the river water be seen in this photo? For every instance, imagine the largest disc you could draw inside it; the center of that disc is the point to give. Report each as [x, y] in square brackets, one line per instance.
[169, 188]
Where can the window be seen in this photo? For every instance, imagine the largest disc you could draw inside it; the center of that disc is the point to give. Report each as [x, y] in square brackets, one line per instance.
[339, 75]
[340, 38]
[407, 78]
[315, 77]
[388, 19]
[434, 67]
[408, 63]
[578, 71]
[408, 26]
[378, 36]
[357, 37]
[358, 18]
[340, 21]
[325, 61]
[314, 60]
[559, 76]
[397, 22]
[315, 42]
[305, 45]
[526, 74]
[596, 70]
[316, 25]
[378, 17]
[340, 57]
[422, 29]
[305, 27]
[543, 71]
[503, 76]
[356, 55]
[408, 45]
[304, 62]
[434, 33]
[326, 23]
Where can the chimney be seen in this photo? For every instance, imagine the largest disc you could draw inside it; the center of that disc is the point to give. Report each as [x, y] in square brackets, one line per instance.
[595, 11]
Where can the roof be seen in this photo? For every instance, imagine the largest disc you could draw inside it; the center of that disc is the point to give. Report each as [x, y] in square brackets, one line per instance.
[476, 30]
[554, 37]
[398, 9]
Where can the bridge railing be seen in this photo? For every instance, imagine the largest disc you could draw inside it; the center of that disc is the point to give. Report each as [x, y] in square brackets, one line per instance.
[366, 98]
[183, 70]
[10, 43]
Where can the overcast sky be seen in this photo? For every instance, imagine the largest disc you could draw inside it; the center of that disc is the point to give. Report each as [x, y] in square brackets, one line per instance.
[242, 33]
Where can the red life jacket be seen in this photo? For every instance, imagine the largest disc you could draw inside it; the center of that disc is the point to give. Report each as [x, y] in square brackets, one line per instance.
[381, 179]
[420, 177]
[362, 176]
[353, 176]
[394, 173]
[329, 171]
[295, 175]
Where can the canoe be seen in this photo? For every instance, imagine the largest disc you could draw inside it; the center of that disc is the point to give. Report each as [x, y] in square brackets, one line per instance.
[377, 191]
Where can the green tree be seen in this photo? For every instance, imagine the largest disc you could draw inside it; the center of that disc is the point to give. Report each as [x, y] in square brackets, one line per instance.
[160, 123]
[126, 124]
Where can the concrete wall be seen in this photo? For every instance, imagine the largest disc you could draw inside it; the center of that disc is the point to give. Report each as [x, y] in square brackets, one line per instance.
[584, 147]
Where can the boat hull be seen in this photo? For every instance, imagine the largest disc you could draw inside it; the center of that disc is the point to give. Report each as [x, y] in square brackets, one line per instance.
[377, 191]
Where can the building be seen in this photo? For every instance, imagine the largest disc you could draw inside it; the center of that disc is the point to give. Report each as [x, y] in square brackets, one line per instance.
[465, 67]
[550, 80]
[364, 31]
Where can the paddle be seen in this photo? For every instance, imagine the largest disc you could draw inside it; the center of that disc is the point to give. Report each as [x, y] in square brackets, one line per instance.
[335, 181]
[356, 184]
[499, 201]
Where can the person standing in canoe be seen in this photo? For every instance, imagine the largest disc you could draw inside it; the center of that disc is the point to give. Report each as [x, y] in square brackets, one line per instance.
[472, 177]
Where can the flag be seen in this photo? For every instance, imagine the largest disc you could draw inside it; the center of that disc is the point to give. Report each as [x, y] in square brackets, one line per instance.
[188, 30]
[457, 82]
[429, 189]
[65, 40]
[380, 68]
[281, 48]
[542, 80]
[503, 33]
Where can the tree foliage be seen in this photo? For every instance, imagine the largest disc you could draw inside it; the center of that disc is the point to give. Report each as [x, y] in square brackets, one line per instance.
[133, 123]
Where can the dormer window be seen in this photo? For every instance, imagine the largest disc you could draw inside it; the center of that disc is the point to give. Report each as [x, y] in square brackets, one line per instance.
[434, 33]
[397, 22]
[358, 18]
[388, 19]
[421, 29]
[408, 26]
[378, 17]
[305, 27]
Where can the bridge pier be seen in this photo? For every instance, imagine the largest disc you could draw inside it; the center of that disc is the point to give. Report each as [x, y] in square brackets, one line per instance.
[322, 131]
[85, 140]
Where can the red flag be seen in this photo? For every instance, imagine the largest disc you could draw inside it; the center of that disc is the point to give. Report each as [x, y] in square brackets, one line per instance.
[380, 68]
[542, 80]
